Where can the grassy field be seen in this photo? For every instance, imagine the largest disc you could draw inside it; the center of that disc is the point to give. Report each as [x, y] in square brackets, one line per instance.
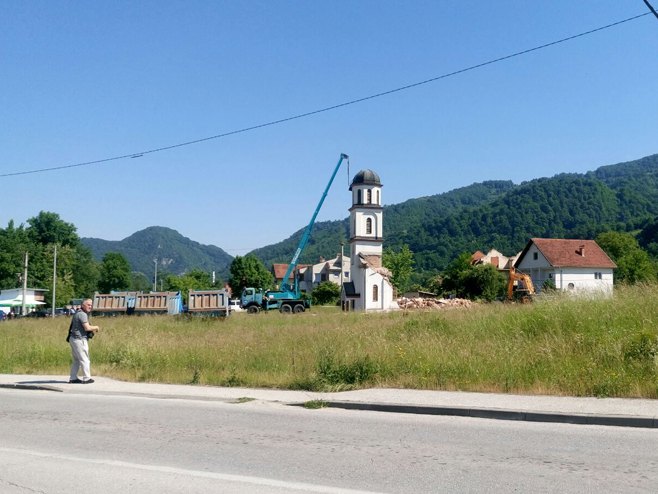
[557, 346]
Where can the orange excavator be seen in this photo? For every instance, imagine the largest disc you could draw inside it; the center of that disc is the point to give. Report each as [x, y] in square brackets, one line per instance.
[519, 286]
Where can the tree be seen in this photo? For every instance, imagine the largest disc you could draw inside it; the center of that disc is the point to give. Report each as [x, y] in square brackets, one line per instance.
[249, 271]
[48, 228]
[452, 280]
[115, 273]
[484, 282]
[633, 263]
[76, 270]
[648, 237]
[139, 282]
[196, 279]
[85, 273]
[401, 264]
[326, 293]
[463, 279]
[14, 243]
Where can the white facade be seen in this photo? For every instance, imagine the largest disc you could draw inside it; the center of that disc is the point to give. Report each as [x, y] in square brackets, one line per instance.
[12, 299]
[370, 288]
[576, 276]
[330, 270]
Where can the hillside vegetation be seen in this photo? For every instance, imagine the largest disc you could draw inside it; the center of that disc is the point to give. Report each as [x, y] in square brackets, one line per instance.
[494, 214]
[501, 215]
[175, 253]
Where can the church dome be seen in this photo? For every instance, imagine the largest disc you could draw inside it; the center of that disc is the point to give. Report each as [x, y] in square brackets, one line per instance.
[366, 177]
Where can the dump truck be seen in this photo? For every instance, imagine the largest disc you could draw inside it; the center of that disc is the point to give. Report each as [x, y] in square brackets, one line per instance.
[208, 303]
[139, 303]
[113, 304]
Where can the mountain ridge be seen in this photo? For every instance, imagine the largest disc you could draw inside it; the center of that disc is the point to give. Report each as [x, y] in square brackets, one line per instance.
[492, 214]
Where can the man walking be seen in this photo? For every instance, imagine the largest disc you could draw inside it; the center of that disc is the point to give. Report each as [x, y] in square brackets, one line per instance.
[79, 333]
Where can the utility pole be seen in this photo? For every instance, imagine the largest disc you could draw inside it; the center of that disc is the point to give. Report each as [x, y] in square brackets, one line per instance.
[341, 265]
[155, 279]
[54, 280]
[23, 312]
[342, 302]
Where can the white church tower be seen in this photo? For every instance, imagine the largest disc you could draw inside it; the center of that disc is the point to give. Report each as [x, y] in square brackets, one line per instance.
[369, 288]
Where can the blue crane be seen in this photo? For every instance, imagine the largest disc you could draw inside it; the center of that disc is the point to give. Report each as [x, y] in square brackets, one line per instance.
[288, 298]
[285, 283]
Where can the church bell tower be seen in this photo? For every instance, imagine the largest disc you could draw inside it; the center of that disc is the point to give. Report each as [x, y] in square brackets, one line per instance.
[366, 213]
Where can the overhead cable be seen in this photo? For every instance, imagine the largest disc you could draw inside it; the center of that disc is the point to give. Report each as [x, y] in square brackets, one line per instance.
[139, 154]
[651, 8]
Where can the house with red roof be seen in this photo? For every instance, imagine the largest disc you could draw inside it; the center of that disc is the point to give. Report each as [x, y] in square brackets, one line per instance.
[572, 265]
[493, 257]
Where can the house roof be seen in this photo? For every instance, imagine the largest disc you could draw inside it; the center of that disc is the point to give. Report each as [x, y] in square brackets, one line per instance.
[349, 289]
[279, 270]
[371, 260]
[572, 253]
[477, 256]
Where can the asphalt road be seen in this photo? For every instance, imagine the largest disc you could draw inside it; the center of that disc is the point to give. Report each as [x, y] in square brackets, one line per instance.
[63, 442]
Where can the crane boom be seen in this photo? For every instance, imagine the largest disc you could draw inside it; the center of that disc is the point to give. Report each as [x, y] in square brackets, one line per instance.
[285, 285]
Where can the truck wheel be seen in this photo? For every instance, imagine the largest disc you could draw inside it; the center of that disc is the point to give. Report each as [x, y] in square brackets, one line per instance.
[252, 309]
[286, 309]
[298, 308]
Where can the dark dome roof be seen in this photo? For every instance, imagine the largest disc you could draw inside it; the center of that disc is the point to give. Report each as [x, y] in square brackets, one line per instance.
[366, 177]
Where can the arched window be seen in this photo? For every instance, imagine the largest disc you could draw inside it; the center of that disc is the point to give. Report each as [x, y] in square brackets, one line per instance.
[378, 198]
[368, 226]
[358, 196]
[369, 196]
[375, 293]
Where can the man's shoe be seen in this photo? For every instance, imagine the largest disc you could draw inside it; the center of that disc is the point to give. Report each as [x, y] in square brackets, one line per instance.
[88, 381]
[75, 381]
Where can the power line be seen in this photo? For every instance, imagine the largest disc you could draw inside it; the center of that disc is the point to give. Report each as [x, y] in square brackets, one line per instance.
[651, 8]
[139, 154]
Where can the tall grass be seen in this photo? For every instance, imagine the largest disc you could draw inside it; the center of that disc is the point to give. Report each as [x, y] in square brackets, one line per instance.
[560, 345]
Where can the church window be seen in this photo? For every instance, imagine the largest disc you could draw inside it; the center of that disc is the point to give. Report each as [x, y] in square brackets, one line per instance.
[358, 196]
[369, 196]
[368, 226]
[375, 293]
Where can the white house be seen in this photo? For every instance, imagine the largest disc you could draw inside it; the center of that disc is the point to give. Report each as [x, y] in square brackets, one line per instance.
[12, 299]
[370, 288]
[336, 270]
[573, 265]
[493, 257]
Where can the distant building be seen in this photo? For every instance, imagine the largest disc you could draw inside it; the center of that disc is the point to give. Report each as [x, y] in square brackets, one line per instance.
[336, 270]
[311, 275]
[12, 299]
[278, 270]
[493, 257]
[572, 265]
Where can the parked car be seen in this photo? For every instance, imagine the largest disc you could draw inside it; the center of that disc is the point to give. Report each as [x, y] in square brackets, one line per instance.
[38, 313]
[234, 305]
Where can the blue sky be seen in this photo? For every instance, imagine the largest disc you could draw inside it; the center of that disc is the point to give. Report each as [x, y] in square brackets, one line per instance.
[85, 81]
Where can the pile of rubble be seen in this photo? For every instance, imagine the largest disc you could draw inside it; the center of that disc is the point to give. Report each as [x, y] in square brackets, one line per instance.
[432, 303]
